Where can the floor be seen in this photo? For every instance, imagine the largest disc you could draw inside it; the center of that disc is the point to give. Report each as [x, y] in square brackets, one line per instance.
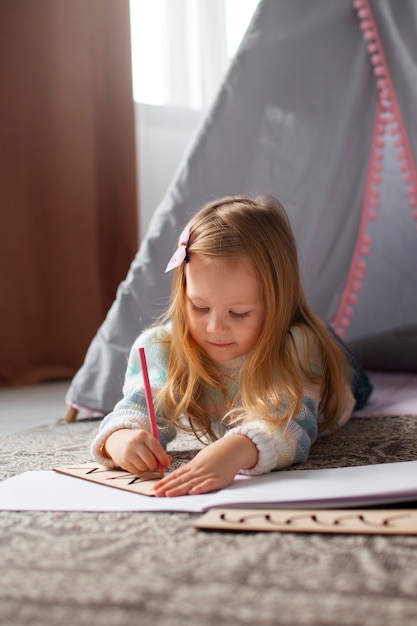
[26, 407]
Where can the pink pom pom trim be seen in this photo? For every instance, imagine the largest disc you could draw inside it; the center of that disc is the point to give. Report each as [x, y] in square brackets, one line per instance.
[388, 119]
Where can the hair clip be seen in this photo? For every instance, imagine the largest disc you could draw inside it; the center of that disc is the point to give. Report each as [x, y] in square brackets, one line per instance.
[180, 253]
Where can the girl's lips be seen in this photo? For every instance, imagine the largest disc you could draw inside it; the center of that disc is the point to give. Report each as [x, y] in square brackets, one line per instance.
[220, 345]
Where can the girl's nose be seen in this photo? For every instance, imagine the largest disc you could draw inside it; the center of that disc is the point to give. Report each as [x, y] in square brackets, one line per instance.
[216, 323]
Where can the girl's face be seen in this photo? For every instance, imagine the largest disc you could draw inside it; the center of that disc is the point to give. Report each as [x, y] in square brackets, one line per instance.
[225, 309]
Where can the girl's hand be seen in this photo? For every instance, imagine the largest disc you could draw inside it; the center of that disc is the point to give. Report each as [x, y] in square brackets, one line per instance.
[212, 468]
[136, 450]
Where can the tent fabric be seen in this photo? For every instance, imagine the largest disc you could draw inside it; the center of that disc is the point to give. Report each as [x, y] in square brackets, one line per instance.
[318, 109]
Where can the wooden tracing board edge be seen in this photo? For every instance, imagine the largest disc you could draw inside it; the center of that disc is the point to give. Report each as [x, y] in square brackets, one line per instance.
[142, 484]
[336, 521]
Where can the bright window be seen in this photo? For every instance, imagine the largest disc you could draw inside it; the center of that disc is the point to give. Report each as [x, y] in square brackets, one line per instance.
[182, 48]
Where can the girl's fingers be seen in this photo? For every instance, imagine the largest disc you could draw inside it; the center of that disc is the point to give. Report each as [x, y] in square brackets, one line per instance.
[161, 456]
[136, 450]
[151, 455]
[175, 484]
[181, 483]
[146, 460]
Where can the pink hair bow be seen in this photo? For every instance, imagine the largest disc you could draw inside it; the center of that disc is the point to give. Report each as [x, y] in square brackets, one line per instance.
[180, 254]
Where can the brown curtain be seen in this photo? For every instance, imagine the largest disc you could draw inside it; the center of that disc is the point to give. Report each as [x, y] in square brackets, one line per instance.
[68, 210]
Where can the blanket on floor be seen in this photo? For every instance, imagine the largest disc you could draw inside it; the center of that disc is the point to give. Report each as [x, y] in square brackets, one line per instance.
[130, 569]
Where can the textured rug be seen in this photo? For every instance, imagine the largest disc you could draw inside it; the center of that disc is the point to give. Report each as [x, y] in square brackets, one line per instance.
[156, 569]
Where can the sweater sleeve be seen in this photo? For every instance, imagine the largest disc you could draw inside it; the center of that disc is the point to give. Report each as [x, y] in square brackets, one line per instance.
[131, 411]
[281, 443]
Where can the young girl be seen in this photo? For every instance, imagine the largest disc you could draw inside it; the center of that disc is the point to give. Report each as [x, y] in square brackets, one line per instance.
[240, 359]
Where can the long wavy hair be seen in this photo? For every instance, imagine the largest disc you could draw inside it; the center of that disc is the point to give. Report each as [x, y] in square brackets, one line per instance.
[274, 372]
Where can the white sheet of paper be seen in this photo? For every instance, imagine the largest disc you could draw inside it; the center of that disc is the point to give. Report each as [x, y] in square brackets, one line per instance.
[327, 488]
[50, 491]
[348, 486]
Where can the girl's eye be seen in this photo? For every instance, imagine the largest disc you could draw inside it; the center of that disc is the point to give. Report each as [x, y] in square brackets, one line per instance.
[200, 309]
[206, 309]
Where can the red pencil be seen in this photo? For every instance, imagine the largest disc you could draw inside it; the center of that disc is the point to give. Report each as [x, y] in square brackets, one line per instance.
[149, 401]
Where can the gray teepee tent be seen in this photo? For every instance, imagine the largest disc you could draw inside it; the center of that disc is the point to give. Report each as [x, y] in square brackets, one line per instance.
[319, 108]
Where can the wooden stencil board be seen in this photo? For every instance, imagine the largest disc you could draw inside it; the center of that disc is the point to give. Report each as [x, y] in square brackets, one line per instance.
[346, 521]
[137, 483]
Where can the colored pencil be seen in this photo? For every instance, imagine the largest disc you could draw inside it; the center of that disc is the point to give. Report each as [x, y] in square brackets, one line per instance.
[149, 401]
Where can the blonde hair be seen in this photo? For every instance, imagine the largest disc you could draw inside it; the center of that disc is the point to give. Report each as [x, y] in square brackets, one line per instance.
[273, 372]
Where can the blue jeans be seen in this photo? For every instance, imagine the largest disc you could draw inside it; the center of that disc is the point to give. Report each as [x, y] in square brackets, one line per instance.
[360, 384]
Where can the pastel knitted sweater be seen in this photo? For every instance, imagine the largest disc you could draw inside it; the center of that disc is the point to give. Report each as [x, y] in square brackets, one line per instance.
[279, 444]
